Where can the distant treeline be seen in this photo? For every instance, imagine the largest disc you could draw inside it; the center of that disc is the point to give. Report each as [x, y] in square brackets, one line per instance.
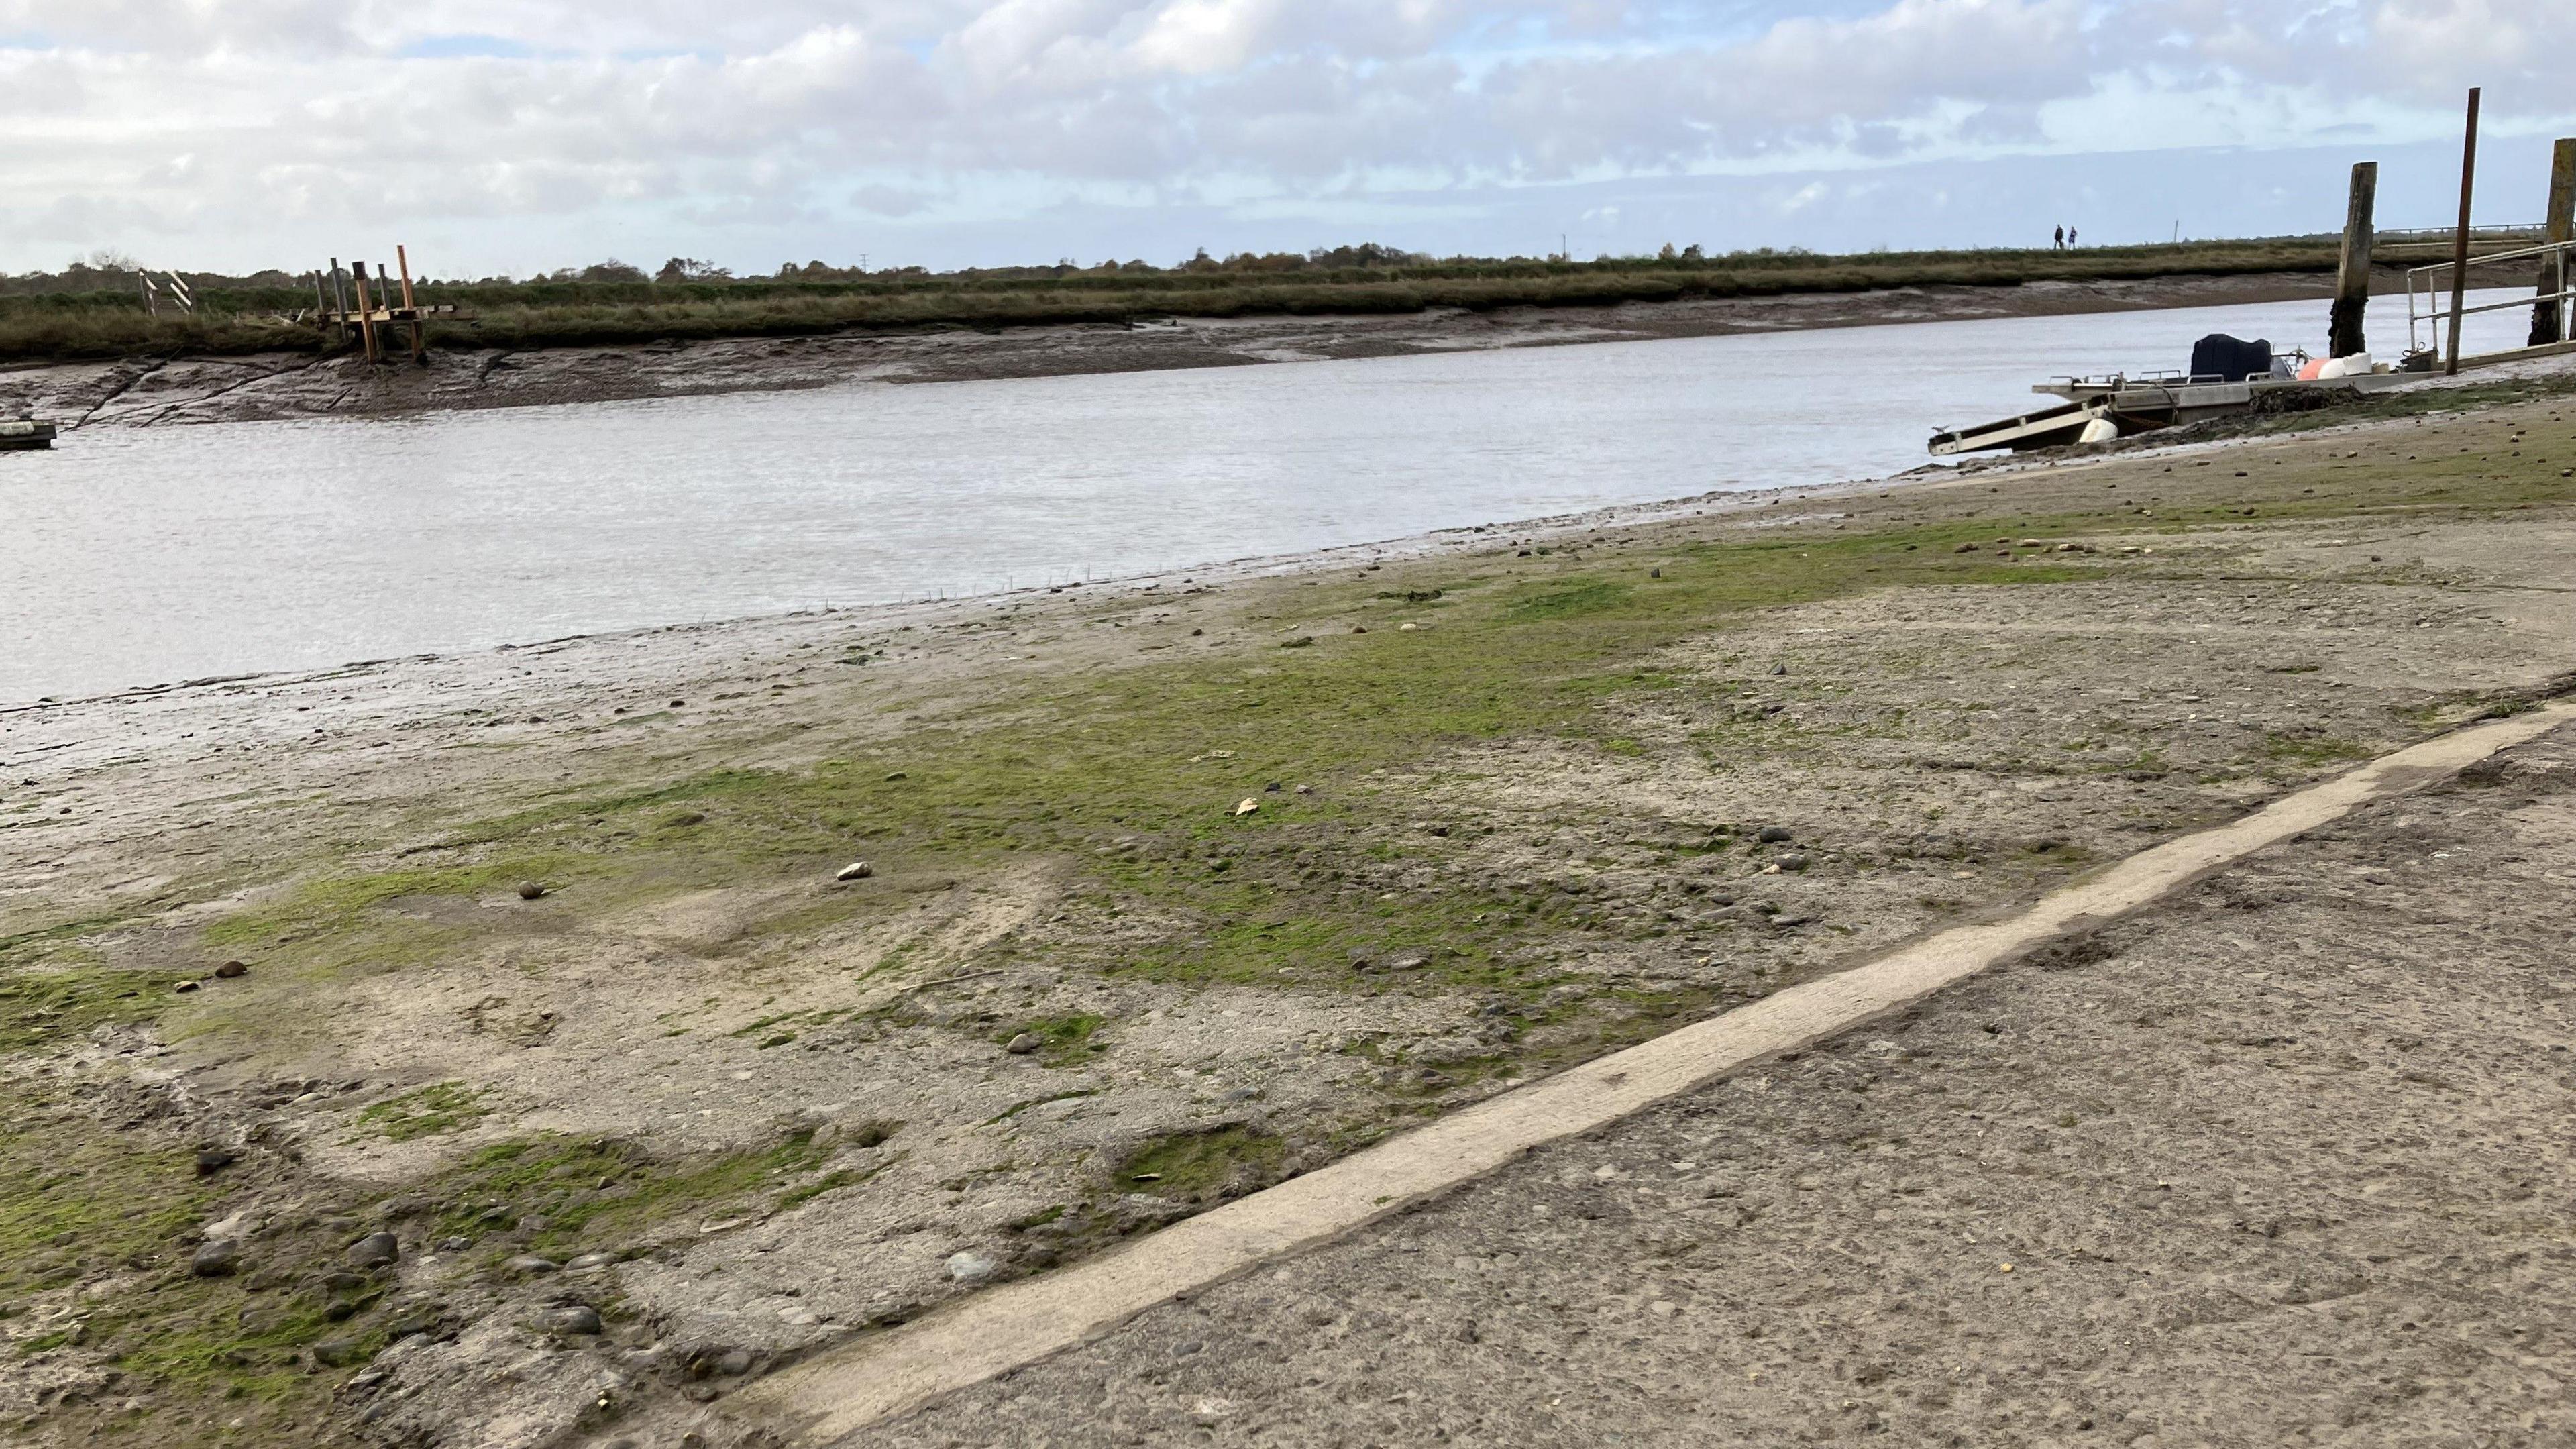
[100, 309]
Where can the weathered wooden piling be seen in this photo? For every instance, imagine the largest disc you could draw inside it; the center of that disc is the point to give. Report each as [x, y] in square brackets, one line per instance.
[2352, 279]
[366, 309]
[2460, 249]
[2549, 315]
[419, 347]
[340, 299]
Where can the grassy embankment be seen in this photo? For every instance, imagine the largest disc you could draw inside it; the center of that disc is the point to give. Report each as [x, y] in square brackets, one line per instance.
[1114, 774]
[64, 326]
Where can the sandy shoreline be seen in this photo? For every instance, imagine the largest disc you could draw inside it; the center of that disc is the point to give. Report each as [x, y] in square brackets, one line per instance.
[1510, 789]
[145, 392]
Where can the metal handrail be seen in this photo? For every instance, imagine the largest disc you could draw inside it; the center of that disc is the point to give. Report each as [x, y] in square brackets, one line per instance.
[2435, 313]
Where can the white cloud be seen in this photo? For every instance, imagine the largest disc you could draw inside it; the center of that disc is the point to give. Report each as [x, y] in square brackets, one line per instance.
[221, 127]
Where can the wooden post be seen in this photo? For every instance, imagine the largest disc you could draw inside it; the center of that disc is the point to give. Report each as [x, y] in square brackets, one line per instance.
[419, 350]
[366, 308]
[2548, 318]
[340, 299]
[2460, 248]
[321, 304]
[2352, 279]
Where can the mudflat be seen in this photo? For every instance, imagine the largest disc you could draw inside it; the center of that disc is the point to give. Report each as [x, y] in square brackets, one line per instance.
[163, 390]
[572, 1076]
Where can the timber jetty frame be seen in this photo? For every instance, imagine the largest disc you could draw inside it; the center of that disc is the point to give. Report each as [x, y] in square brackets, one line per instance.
[374, 317]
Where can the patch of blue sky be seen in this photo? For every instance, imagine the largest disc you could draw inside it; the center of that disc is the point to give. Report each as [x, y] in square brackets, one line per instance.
[706, 54]
[466, 47]
[27, 40]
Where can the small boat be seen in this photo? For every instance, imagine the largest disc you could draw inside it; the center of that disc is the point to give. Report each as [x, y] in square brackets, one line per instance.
[2098, 409]
[25, 433]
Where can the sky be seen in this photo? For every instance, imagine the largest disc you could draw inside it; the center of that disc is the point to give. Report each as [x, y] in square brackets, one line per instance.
[517, 136]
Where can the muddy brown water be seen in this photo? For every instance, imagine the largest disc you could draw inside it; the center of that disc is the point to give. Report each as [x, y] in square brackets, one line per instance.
[147, 555]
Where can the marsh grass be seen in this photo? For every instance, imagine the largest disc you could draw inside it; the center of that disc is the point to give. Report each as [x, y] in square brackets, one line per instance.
[62, 326]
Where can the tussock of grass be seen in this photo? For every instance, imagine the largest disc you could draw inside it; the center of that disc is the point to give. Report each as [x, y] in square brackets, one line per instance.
[1202, 1166]
[434, 1110]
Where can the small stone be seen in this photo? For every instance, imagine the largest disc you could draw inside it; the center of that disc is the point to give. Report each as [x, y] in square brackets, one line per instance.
[734, 1361]
[1249, 805]
[530, 890]
[855, 870]
[1407, 628]
[1965, 548]
[971, 1267]
[1025, 1043]
[534, 1223]
[220, 1258]
[1654, 573]
[528, 1264]
[1411, 961]
[375, 1250]
[454, 1245]
[584, 1262]
[185, 986]
[339, 1352]
[1792, 861]
[573, 1318]
[231, 969]
[1774, 835]
[1779, 668]
[1662, 1308]
[211, 1160]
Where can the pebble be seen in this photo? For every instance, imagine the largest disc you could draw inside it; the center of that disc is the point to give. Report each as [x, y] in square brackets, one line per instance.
[454, 1245]
[527, 1263]
[232, 969]
[1025, 1043]
[855, 870]
[573, 1318]
[1774, 834]
[583, 1262]
[530, 890]
[1793, 861]
[220, 1258]
[1248, 806]
[211, 1160]
[375, 1250]
[971, 1267]
[734, 1361]
[338, 1352]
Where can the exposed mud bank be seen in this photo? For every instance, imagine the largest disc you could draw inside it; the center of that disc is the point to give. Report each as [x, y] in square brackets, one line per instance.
[689, 1105]
[146, 392]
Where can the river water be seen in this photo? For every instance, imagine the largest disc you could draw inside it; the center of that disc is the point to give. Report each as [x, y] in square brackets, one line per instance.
[137, 557]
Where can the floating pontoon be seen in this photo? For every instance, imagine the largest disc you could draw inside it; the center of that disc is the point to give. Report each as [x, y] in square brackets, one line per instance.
[25, 434]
